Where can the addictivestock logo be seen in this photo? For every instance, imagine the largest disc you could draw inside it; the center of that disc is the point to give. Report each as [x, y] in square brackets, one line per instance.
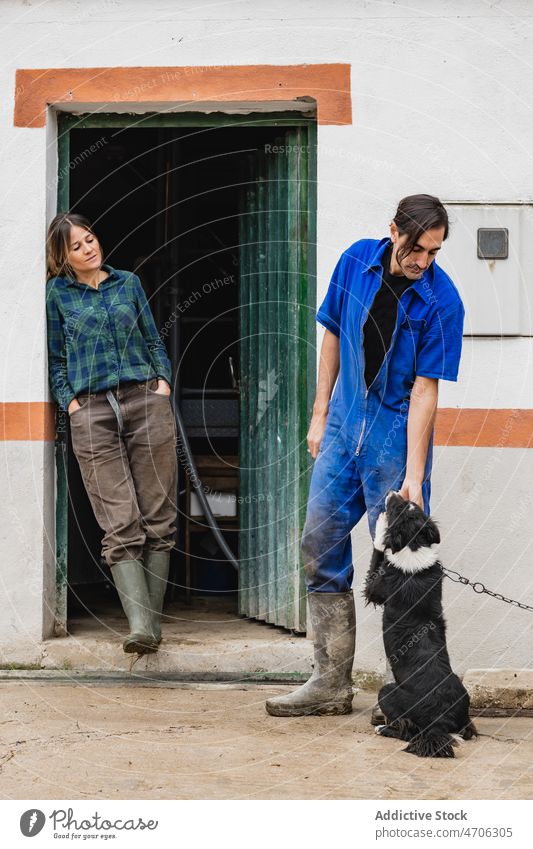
[66, 824]
[32, 822]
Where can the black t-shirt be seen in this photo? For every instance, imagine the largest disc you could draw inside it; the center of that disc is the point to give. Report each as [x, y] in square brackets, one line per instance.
[381, 319]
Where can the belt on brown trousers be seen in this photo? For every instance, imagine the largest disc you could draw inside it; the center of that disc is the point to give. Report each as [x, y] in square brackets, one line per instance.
[114, 402]
[116, 409]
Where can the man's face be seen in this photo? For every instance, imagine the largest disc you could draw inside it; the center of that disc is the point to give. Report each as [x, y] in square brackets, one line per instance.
[422, 255]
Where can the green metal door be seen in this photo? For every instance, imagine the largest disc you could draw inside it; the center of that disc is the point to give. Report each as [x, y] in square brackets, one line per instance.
[278, 356]
[277, 305]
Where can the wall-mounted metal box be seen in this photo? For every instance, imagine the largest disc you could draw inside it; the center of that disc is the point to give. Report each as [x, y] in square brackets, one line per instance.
[489, 256]
[492, 243]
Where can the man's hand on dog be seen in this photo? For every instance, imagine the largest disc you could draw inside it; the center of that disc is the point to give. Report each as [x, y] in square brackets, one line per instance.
[411, 490]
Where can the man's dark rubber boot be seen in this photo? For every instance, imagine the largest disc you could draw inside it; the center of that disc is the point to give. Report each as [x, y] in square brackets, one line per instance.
[156, 567]
[132, 589]
[329, 690]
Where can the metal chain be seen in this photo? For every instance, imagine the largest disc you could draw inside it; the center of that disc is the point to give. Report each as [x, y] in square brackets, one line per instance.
[478, 587]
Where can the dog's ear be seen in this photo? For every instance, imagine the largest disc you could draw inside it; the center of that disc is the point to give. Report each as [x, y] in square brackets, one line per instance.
[401, 529]
[431, 532]
[427, 532]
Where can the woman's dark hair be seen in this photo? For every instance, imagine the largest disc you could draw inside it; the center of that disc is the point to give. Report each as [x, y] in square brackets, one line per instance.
[58, 242]
[415, 215]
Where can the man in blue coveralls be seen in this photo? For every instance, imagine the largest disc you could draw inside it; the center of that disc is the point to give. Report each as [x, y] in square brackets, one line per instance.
[393, 328]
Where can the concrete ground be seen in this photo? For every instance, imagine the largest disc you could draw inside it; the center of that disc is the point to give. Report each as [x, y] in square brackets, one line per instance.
[209, 641]
[215, 741]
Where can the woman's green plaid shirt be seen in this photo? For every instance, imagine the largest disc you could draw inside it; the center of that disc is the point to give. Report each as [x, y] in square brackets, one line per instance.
[98, 338]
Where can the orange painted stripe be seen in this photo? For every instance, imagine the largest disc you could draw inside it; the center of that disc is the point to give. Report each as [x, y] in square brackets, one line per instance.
[34, 420]
[485, 428]
[328, 84]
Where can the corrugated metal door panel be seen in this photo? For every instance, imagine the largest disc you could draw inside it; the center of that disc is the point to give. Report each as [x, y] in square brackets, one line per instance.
[258, 343]
[275, 383]
[270, 379]
[306, 332]
[248, 359]
[251, 495]
[280, 439]
[293, 365]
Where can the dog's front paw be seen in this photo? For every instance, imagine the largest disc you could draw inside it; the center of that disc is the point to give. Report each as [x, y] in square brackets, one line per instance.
[379, 728]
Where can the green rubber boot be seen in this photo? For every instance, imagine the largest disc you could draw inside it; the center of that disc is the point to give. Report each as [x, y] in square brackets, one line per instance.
[132, 589]
[156, 566]
[329, 690]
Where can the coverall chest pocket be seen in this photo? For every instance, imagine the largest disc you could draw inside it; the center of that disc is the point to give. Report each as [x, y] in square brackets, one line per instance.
[407, 343]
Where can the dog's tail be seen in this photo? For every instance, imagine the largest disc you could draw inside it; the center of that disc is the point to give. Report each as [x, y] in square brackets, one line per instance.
[427, 745]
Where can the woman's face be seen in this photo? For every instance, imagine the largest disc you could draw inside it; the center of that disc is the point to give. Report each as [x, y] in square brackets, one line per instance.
[84, 252]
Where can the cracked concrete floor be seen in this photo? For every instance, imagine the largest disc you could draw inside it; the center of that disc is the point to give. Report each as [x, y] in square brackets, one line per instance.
[213, 741]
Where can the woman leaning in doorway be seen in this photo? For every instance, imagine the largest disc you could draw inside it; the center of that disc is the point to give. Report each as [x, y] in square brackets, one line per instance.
[109, 370]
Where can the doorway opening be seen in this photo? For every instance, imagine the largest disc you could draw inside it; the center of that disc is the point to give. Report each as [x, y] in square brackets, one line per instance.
[184, 207]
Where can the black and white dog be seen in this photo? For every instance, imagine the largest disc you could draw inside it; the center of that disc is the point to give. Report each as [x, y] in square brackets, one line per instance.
[428, 703]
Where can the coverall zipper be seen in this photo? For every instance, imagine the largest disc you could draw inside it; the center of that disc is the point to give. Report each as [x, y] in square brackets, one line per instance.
[361, 434]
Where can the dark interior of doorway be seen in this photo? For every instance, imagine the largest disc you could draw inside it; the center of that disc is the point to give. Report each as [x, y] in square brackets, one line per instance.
[165, 203]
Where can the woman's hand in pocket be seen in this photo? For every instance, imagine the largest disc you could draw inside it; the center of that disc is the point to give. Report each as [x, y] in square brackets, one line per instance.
[162, 387]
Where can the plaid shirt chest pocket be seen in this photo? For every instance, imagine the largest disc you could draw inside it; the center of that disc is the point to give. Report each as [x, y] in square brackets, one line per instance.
[125, 317]
[82, 324]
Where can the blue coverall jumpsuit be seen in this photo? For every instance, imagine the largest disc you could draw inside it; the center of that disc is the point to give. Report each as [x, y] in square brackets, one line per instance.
[363, 452]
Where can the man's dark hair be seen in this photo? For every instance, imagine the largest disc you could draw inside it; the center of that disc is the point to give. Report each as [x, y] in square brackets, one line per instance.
[415, 215]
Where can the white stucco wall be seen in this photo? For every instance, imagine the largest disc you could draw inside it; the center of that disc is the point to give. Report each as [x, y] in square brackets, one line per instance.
[27, 549]
[442, 103]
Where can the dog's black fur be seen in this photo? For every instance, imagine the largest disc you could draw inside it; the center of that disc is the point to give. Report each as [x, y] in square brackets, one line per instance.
[428, 702]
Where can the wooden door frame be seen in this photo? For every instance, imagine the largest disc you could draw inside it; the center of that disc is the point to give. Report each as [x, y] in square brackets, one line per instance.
[68, 122]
